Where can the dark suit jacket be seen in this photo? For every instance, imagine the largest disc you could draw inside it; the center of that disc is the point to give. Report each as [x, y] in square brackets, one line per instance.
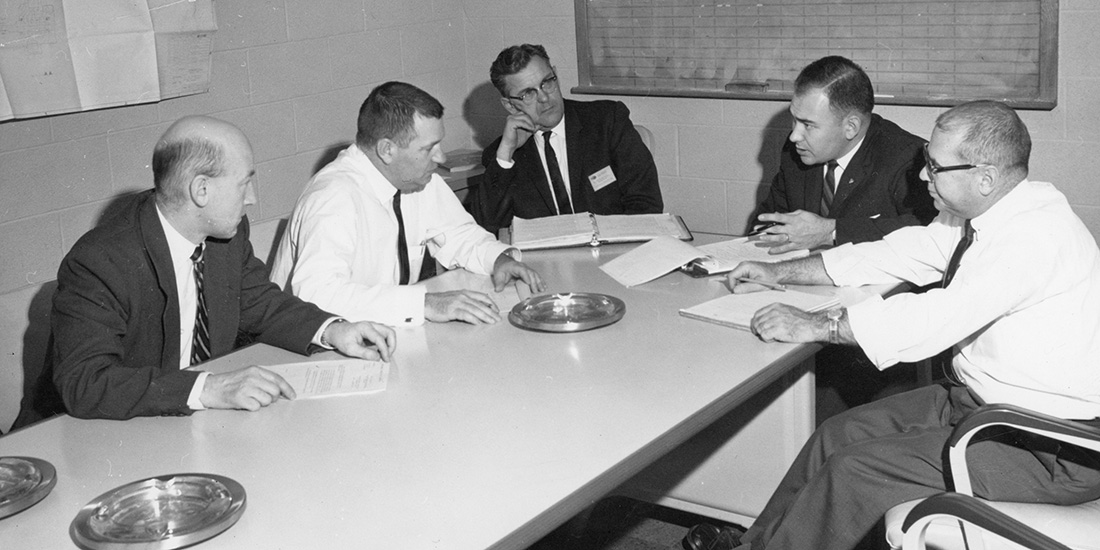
[599, 134]
[115, 318]
[881, 189]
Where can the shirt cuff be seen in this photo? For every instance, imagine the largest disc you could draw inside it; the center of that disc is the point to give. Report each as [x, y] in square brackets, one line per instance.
[194, 399]
[321, 332]
[506, 164]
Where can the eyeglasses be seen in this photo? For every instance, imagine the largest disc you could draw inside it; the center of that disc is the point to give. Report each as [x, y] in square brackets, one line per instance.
[548, 85]
[934, 168]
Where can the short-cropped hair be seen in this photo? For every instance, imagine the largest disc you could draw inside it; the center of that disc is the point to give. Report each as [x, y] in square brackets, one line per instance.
[388, 113]
[177, 161]
[512, 60]
[993, 134]
[842, 81]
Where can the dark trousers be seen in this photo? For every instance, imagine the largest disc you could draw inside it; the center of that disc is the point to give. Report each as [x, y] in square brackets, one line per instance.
[860, 463]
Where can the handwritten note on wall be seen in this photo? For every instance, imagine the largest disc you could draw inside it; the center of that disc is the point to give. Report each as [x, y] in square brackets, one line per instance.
[59, 56]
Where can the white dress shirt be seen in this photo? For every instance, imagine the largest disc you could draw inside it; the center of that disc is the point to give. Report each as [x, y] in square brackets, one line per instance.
[1023, 310]
[339, 250]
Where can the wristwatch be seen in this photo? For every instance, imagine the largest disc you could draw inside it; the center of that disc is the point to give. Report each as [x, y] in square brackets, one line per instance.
[834, 316]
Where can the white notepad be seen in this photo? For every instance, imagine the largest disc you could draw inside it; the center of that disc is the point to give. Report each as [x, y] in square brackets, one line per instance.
[737, 310]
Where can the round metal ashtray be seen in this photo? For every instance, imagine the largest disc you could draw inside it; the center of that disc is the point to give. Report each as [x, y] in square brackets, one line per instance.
[23, 482]
[159, 513]
[572, 312]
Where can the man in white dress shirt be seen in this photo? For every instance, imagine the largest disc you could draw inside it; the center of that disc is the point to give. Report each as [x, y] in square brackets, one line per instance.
[1019, 302]
[356, 239]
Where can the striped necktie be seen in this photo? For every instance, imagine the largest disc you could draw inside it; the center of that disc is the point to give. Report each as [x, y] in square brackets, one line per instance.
[200, 343]
[829, 189]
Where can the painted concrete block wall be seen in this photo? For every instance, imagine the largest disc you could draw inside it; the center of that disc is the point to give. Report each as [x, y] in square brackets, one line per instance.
[292, 74]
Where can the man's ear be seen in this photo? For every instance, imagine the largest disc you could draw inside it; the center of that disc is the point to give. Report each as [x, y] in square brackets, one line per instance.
[852, 125]
[199, 190]
[385, 148]
[507, 103]
[990, 180]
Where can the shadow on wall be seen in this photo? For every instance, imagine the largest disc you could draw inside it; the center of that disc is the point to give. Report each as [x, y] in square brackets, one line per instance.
[483, 113]
[772, 138]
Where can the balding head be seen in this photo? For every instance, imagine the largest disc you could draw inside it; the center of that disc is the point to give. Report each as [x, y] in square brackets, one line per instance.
[192, 146]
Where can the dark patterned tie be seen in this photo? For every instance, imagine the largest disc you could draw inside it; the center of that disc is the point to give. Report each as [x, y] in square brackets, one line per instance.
[402, 246]
[829, 189]
[200, 343]
[956, 257]
[560, 194]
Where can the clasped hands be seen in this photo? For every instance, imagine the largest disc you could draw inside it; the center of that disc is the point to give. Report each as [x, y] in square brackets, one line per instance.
[795, 231]
[254, 387]
[472, 306]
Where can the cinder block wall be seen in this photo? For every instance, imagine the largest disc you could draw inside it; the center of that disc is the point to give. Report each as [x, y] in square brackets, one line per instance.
[292, 74]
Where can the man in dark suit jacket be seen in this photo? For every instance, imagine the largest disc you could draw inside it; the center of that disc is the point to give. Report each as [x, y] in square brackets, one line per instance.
[604, 166]
[117, 315]
[877, 186]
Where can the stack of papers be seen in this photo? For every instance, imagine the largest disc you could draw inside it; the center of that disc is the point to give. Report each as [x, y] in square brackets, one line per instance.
[344, 376]
[664, 254]
[737, 310]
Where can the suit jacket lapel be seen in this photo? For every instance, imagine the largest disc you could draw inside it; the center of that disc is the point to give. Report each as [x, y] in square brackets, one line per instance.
[156, 247]
[574, 140]
[859, 170]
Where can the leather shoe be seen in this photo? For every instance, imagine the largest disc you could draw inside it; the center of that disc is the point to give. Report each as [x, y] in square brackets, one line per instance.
[712, 537]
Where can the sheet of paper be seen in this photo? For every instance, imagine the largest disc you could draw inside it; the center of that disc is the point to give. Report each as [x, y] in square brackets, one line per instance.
[725, 256]
[737, 310]
[650, 260]
[333, 376]
[59, 56]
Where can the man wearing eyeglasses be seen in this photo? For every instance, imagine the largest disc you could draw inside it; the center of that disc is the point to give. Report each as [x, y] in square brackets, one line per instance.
[1019, 304]
[846, 175]
[560, 156]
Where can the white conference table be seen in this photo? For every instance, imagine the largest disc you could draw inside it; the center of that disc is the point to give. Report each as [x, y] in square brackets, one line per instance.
[487, 436]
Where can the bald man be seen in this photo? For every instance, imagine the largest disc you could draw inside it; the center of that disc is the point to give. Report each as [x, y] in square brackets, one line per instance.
[131, 292]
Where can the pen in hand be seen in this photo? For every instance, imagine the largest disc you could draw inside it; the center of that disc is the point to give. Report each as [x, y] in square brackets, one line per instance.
[765, 284]
[760, 230]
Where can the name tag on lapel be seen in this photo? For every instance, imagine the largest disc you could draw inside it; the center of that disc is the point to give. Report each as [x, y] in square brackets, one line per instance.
[602, 178]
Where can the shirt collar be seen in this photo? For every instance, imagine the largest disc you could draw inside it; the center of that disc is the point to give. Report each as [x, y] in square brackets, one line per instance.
[843, 161]
[376, 181]
[559, 129]
[179, 246]
[1020, 198]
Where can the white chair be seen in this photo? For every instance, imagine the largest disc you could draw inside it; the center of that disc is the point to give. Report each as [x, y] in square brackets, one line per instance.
[647, 138]
[960, 520]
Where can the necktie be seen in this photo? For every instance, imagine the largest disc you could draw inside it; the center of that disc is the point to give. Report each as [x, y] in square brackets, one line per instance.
[200, 342]
[829, 189]
[402, 246]
[956, 257]
[556, 180]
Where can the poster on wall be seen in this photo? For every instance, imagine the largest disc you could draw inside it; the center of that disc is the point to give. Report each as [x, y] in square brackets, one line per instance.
[61, 56]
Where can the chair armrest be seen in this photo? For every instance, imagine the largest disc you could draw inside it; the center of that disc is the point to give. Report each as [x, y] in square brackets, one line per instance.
[1017, 417]
[974, 511]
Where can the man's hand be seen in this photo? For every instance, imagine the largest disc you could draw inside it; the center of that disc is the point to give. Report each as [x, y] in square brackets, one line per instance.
[249, 388]
[518, 128]
[461, 305]
[364, 339]
[506, 269]
[796, 231]
[783, 323]
[739, 280]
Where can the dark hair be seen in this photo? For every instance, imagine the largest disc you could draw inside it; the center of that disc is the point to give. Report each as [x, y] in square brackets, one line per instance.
[512, 60]
[842, 81]
[994, 134]
[177, 161]
[388, 113]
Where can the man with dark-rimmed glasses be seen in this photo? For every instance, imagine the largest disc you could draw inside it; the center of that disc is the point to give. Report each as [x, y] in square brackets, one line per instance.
[559, 156]
[1018, 304]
